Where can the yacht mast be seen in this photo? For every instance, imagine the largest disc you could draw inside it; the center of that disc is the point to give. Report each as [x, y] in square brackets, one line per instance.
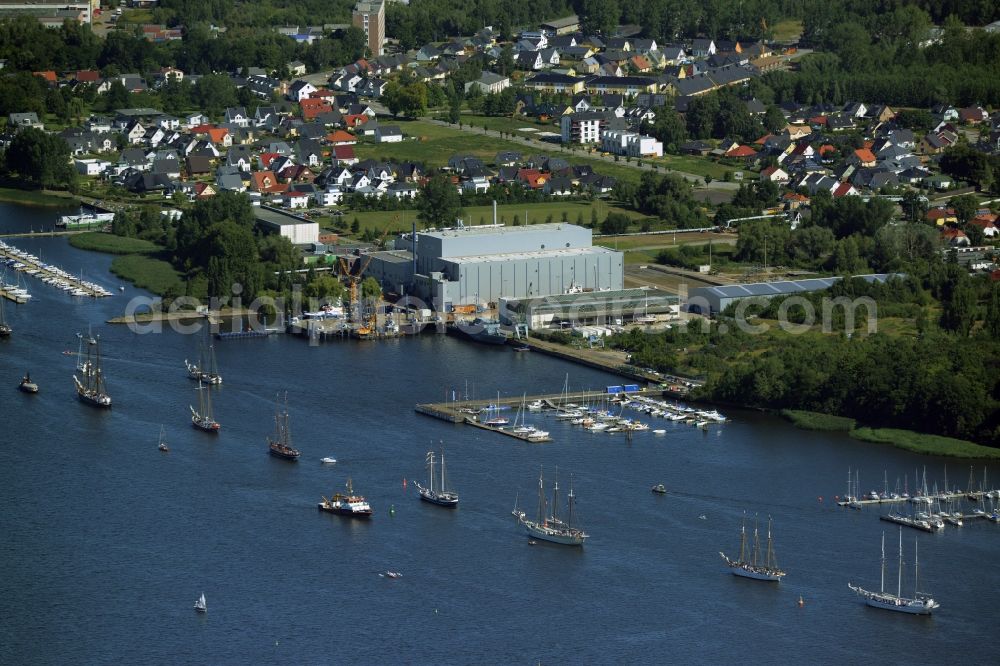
[882, 588]
[541, 498]
[899, 583]
[555, 496]
[572, 499]
[770, 547]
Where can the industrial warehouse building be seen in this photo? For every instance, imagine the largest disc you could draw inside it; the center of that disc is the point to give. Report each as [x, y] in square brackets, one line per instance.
[713, 300]
[595, 308]
[298, 230]
[481, 264]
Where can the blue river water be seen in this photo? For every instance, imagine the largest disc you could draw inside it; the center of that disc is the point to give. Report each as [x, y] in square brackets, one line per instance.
[105, 543]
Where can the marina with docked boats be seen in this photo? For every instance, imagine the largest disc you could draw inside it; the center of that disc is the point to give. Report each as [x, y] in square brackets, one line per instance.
[242, 526]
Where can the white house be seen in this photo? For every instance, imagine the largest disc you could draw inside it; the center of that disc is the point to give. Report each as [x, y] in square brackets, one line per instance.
[581, 127]
[489, 83]
[388, 134]
[630, 144]
[91, 167]
[329, 197]
[300, 90]
[775, 175]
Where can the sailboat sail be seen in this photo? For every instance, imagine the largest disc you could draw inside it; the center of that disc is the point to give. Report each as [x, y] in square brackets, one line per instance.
[749, 564]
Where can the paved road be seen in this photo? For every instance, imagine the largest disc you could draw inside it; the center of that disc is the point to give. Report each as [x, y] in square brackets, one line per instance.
[546, 146]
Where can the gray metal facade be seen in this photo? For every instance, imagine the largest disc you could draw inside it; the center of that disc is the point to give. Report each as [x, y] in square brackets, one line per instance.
[478, 265]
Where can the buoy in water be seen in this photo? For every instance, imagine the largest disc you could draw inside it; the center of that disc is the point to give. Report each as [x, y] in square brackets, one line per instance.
[392, 509]
[404, 482]
[801, 602]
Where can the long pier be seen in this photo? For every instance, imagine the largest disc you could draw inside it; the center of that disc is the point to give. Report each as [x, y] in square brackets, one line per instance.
[465, 411]
[34, 268]
[10, 296]
[898, 500]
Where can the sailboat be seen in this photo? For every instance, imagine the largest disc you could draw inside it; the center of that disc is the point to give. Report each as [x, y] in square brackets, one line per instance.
[496, 420]
[280, 445]
[162, 446]
[749, 564]
[440, 495]
[202, 419]
[91, 390]
[919, 604]
[5, 329]
[552, 528]
[198, 371]
[200, 605]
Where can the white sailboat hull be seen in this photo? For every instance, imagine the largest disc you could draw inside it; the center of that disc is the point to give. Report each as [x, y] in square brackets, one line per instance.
[891, 602]
[747, 570]
[566, 537]
[744, 572]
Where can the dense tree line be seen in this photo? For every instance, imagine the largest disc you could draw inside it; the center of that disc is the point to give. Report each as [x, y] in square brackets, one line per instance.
[669, 198]
[217, 243]
[37, 159]
[29, 46]
[885, 63]
[945, 380]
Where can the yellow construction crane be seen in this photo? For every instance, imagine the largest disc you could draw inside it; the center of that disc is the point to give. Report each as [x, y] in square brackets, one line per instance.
[353, 279]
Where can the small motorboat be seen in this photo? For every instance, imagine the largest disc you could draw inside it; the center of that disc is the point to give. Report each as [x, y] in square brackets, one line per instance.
[162, 446]
[522, 348]
[329, 461]
[391, 574]
[659, 432]
[27, 385]
[659, 489]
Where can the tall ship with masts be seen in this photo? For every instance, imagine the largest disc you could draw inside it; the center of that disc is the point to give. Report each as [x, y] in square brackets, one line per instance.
[203, 419]
[208, 374]
[437, 493]
[550, 527]
[918, 604]
[90, 388]
[750, 564]
[280, 445]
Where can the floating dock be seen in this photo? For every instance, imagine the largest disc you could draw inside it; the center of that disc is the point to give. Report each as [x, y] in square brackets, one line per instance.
[10, 296]
[37, 270]
[465, 411]
[242, 335]
[944, 497]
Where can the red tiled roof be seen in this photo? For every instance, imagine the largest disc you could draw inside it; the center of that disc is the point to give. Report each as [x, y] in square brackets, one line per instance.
[340, 136]
[865, 155]
[265, 182]
[218, 134]
[267, 158]
[741, 151]
[48, 75]
[940, 213]
[843, 189]
[344, 152]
